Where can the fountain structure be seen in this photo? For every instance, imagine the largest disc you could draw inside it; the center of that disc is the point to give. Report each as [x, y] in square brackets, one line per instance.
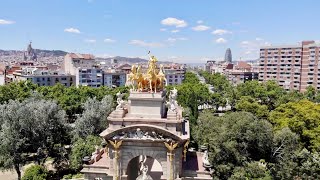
[147, 137]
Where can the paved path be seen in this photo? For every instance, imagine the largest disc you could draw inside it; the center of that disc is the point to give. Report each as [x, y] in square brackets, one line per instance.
[8, 175]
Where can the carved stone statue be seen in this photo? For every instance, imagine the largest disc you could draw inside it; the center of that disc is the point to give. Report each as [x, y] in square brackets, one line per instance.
[163, 109]
[172, 103]
[95, 154]
[120, 101]
[205, 159]
[143, 169]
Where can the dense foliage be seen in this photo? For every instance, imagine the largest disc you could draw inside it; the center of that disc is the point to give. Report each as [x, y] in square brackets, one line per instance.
[35, 122]
[266, 124]
[264, 132]
[82, 148]
[27, 126]
[35, 172]
[94, 117]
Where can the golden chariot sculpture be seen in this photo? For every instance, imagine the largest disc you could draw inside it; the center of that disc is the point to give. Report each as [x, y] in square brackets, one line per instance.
[153, 80]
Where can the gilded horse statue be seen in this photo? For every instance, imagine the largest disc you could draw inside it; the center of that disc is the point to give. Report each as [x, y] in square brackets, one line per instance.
[140, 79]
[132, 77]
[161, 76]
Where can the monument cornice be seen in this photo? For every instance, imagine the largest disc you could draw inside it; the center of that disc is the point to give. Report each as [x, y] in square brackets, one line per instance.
[144, 128]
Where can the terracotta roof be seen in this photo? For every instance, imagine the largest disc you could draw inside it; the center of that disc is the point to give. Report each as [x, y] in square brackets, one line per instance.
[81, 56]
[229, 66]
[243, 65]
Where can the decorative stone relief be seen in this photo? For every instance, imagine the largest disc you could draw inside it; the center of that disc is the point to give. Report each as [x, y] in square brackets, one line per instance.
[142, 135]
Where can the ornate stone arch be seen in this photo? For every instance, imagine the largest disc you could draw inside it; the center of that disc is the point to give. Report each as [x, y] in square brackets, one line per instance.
[158, 155]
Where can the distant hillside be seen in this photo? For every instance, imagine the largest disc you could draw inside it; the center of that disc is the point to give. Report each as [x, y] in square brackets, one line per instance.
[122, 59]
[44, 55]
[39, 52]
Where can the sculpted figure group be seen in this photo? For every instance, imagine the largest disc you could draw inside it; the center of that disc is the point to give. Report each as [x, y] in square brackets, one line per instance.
[153, 80]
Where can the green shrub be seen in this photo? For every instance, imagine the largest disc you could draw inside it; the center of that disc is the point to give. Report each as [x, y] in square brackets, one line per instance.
[73, 176]
[79, 175]
[68, 176]
[35, 172]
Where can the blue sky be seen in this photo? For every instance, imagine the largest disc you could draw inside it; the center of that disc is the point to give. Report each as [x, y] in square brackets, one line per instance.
[181, 31]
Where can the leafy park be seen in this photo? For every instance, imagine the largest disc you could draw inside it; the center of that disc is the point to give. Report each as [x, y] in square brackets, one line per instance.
[267, 133]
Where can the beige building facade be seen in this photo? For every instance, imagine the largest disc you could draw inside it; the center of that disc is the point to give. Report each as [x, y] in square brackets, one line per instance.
[294, 67]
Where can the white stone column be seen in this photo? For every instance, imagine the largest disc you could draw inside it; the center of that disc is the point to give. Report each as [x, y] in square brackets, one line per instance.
[170, 165]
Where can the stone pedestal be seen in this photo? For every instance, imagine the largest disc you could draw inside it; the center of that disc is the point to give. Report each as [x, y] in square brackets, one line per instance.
[145, 104]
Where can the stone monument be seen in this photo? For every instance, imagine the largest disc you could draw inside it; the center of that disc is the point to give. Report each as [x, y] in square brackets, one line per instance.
[147, 137]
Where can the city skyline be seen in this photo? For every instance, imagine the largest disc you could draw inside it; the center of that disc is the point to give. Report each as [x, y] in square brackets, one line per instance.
[181, 32]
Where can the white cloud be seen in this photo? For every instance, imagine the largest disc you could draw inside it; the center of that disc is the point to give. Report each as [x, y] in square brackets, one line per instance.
[171, 40]
[182, 39]
[3, 21]
[163, 29]
[221, 32]
[104, 55]
[248, 52]
[72, 30]
[250, 48]
[145, 44]
[108, 40]
[200, 28]
[174, 22]
[267, 44]
[245, 42]
[221, 41]
[175, 31]
[91, 41]
[199, 21]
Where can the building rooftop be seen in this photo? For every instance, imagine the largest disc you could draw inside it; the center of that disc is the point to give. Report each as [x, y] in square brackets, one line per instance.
[81, 56]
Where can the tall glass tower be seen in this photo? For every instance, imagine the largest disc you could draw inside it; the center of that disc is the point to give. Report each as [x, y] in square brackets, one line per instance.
[228, 56]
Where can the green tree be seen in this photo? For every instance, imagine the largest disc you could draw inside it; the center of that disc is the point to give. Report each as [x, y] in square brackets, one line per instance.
[301, 117]
[27, 126]
[249, 104]
[253, 170]
[310, 93]
[285, 146]
[16, 91]
[94, 117]
[233, 139]
[35, 172]
[82, 148]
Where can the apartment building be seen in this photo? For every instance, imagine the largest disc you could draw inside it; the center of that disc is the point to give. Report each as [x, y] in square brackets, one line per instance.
[42, 77]
[240, 73]
[174, 73]
[113, 78]
[294, 67]
[84, 68]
